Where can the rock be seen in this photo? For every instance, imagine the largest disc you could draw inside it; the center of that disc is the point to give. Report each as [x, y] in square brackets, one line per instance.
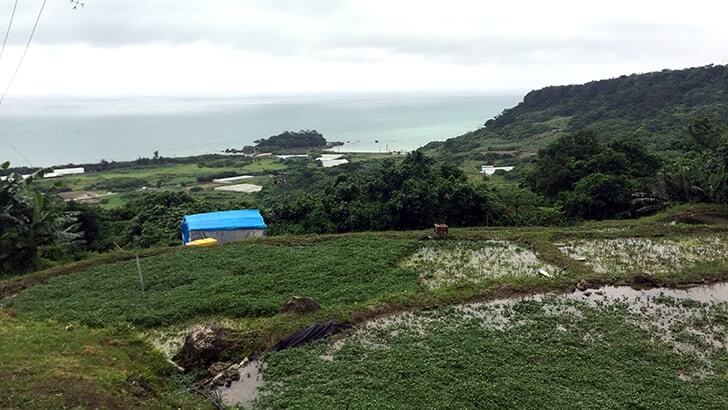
[300, 305]
[224, 378]
[544, 273]
[640, 282]
[218, 368]
[583, 285]
[140, 387]
[203, 347]
[233, 375]
[587, 294]
[218, 380]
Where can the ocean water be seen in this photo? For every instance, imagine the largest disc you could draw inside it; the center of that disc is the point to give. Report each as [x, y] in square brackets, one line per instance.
[48, 132]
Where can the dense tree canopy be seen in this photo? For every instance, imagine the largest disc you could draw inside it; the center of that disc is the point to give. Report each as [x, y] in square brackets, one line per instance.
[699, 176]
[592, 180]
[411, 195]
[304, 139]
[653, 106]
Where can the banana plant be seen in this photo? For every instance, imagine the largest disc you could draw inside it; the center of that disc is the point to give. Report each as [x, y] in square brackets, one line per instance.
[32, 222]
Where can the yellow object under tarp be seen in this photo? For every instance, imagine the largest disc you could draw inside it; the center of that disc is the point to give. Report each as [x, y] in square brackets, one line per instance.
[203, 243]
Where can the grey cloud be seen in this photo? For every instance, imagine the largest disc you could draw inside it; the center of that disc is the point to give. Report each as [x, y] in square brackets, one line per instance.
[623, 40]
[327, 29]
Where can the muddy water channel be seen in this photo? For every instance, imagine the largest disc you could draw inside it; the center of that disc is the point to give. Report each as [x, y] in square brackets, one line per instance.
[244, 391]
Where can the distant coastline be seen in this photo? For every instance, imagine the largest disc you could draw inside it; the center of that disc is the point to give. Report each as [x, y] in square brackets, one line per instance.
[80, 131]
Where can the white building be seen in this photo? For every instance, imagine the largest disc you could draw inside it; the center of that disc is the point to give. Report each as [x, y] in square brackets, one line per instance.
[332, 160]
[63, 172]
[490, 170]
[232, 179]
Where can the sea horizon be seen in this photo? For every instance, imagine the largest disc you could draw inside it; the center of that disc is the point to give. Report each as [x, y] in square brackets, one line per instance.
[53, 130]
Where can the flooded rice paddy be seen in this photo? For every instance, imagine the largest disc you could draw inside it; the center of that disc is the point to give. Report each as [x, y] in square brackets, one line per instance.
[646, 255]
[692, 323]
[612, 346]
[456, 263]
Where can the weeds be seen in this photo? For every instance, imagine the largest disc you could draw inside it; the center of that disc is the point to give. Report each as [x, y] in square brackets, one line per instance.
[44, 365]
[454, 263]
[648, 255]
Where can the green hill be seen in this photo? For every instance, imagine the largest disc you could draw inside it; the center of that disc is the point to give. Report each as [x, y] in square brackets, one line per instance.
[654, 107]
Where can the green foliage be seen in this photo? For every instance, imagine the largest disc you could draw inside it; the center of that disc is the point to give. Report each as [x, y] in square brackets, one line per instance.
[44, 366]
[119, 184]
[242, 279]
[598, 196]
[592, 180]
[704, 135]
[217, 175]
[653, 106]
[699, 176]
[148, 220]
[349, 275]
[33, 224]
[522, 207]
[155, 219]
[413, 194]
[291, 140]
[530, 354]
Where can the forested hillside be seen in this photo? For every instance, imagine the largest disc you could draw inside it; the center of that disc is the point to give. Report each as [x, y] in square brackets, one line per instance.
[653, 107]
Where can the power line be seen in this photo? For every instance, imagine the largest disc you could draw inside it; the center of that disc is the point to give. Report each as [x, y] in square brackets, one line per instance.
[20, 63]
[25, 52]
[7, 33]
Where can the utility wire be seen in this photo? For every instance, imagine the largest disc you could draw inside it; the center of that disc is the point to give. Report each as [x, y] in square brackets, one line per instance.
[20, 63]
[25, 52]
[7, 33]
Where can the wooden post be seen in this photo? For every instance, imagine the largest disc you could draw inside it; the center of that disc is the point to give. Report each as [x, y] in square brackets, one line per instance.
[441, 231]
[141, 277]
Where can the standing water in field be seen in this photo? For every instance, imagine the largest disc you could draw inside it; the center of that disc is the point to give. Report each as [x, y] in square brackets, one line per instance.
[613, 346]
[244, 391]
[691, 322]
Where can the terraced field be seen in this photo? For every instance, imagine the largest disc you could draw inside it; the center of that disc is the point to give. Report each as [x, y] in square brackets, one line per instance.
[554, 352]
[424, 321]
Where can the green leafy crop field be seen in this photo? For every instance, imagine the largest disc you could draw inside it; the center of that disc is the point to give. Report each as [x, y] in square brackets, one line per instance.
[531, 354]
[245, 279]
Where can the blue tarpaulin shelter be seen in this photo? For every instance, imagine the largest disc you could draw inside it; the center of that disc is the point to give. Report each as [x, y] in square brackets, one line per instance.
[226, 226]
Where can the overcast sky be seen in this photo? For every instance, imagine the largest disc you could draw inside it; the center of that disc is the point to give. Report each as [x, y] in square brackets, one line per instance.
[252, 47]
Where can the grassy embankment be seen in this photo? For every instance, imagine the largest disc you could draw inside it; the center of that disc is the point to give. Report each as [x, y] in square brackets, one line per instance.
[357, 277]
[46, 365]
